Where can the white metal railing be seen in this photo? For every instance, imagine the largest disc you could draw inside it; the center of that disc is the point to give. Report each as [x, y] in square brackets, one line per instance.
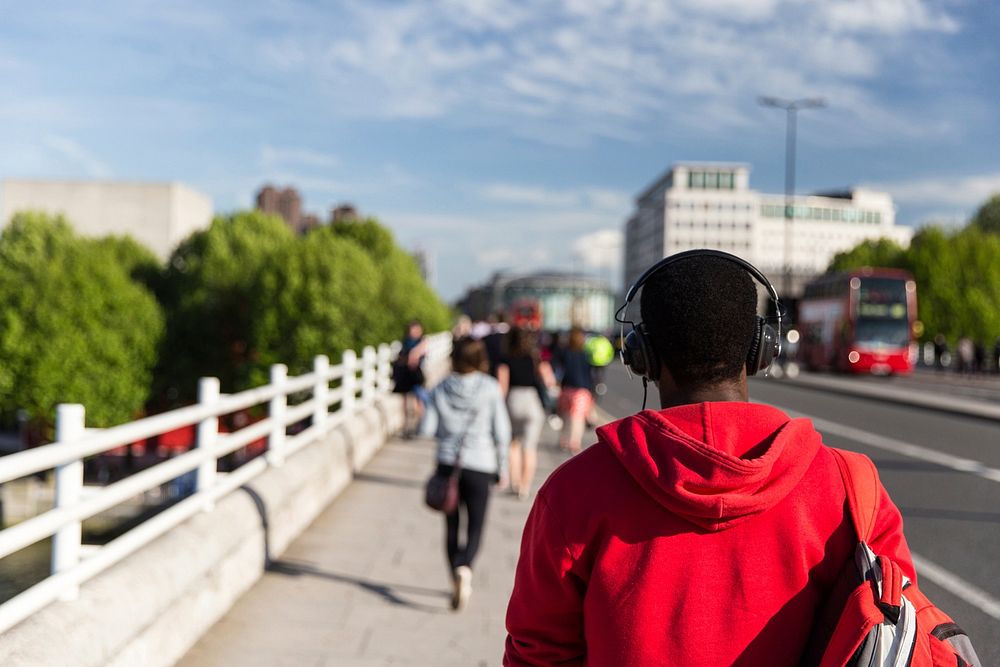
[72, 565]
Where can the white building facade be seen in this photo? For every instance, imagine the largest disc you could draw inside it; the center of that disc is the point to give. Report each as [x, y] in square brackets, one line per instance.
[711, 205]
[157, 215]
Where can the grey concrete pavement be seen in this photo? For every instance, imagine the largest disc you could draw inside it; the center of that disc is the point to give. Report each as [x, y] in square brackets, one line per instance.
[367, 583]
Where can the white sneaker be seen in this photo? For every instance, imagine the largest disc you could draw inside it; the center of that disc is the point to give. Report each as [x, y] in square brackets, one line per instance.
[463, 587]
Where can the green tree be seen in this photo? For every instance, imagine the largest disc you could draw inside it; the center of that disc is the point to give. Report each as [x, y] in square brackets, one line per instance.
[74, 326]
[875, 252]
[987, 218]
[137, 260]
[318, 295]
[209, 293]
[403, 293]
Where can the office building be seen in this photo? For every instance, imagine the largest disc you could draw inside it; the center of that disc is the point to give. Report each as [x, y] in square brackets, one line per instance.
[157, 215]
[711, 205]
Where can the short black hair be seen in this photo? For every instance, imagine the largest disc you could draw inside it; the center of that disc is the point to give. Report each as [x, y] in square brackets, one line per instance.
[699, 315]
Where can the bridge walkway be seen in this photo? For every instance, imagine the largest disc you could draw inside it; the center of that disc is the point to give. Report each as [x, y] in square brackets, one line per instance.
[367, 583]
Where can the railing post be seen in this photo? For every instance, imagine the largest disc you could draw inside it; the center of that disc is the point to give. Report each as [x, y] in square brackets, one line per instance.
[276, 442]
[368, 375]
[208, 435]
[321, 367]
[70, 426]
[384, 375]
[349, 382]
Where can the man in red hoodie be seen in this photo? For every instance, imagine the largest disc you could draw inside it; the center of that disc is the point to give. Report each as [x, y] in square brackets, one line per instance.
[706, 533]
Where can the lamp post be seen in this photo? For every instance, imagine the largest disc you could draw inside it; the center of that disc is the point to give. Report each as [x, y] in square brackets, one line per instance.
[790, 107]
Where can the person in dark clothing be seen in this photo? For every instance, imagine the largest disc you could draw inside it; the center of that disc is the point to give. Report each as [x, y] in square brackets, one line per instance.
[408, 376]
[495, 342]
[940, 352]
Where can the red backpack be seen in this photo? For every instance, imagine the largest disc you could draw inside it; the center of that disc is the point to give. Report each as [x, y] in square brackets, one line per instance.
[885, 620]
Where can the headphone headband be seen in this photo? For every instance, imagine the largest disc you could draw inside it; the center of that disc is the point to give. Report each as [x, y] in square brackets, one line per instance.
[700, 252]
[640, 356]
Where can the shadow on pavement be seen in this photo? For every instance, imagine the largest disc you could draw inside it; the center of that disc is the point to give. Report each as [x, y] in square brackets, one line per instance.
[388, 592]
[386, 479]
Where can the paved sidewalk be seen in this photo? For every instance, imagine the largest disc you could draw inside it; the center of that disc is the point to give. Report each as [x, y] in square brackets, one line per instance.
[367, 583]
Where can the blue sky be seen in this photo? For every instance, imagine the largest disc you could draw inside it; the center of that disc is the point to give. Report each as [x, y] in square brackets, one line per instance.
[503, 134]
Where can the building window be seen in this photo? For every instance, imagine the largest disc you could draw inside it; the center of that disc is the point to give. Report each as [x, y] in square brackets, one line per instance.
[696, 179]
[711, 179]
[726, 180]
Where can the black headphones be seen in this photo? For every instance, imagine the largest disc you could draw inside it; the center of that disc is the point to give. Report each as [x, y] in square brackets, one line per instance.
[640, 357]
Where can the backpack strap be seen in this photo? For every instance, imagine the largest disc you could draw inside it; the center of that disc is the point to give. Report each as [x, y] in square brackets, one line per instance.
[861, 482]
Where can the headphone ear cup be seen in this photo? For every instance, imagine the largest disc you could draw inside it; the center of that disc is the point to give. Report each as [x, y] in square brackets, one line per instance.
[638, 354]
[632, 353]
[770, 347]
[764, 346]
[753, 356]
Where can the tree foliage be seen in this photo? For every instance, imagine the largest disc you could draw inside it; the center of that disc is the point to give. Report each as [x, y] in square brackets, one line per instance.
[247, 293]
[318, 296]
[80, 322]
[403, 293]
[987, 218]
[209, 294]
[74, 326]
[877, 252]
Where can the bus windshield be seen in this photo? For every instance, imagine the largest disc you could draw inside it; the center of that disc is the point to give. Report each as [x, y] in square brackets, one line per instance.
[882, 298]
[881, 332]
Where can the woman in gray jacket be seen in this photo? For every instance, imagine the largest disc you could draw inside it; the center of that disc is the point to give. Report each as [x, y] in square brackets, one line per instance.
[467, 415]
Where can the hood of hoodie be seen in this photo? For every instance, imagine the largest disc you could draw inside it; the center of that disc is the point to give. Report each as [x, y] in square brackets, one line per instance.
[459, 394]
[714, 464]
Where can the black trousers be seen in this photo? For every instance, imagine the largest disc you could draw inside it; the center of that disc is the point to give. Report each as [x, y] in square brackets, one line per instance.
[473, 496]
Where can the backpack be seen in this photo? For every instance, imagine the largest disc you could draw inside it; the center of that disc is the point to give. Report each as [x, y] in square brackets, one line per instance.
[885, 621]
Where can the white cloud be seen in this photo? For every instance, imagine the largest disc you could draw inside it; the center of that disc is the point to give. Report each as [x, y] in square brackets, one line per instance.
[579, 70]
[963, 191]
[516, 257]
[601, 249]
[603, 199]
[887, 16]
[70, 150]
[272, 157]
[528, 195]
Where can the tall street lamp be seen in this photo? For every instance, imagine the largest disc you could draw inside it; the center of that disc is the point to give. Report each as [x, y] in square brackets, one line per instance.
[790, 107]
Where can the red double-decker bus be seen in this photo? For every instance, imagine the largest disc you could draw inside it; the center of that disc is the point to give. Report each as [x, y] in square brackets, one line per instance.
[859, 321]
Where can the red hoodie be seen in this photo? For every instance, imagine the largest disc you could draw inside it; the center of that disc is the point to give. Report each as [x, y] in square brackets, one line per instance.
[704, 534]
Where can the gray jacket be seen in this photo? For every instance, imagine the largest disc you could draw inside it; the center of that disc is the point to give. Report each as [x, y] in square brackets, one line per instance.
[472, 406]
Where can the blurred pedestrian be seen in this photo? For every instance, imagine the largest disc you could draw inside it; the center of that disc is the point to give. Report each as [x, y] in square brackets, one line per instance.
[979, 358]
[462, 328]
[467, 416]
[576, 397]
[966, 354]
[496, 341]
[524, 379]
[940, 351]
[408, 376]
